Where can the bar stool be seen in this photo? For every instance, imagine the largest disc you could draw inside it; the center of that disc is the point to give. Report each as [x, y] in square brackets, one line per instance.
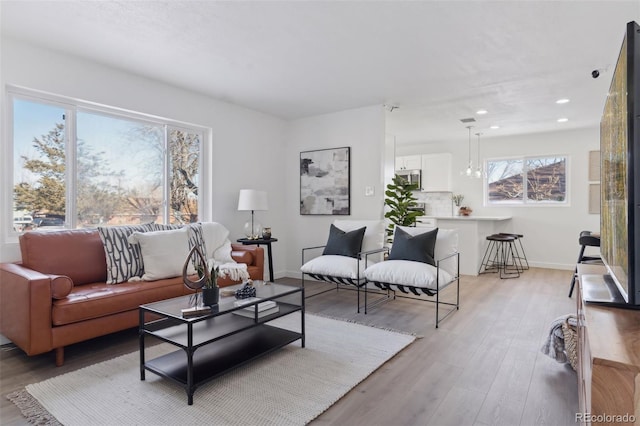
[587, 239]
[520, 254]
[499, 257]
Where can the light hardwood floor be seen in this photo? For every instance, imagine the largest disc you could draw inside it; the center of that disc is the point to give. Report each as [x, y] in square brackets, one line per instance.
[483, 366]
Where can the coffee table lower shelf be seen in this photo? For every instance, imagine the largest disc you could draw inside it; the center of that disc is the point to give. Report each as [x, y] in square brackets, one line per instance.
[215, 359]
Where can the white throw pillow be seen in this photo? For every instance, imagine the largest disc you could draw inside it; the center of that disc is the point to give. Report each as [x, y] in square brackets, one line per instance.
[163, 253]
[335, 266]
[407, 272]
[446, 243]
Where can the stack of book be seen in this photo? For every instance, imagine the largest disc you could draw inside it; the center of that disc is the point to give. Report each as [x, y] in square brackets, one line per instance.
[268, 307]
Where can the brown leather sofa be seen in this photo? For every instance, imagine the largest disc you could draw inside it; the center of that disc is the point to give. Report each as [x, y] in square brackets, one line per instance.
[57, 295]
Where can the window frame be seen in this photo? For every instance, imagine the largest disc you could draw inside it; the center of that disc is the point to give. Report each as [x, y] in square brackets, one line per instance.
[71, 108]
[525, 202]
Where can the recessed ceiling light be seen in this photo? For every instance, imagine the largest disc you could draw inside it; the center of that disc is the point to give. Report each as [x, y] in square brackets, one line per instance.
[562, 101]
[562, 120]
[481, 111]
[494, 127]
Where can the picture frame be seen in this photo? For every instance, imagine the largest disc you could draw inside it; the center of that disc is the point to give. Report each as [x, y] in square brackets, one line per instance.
[594, 198]
[594, 166]
[325, 182]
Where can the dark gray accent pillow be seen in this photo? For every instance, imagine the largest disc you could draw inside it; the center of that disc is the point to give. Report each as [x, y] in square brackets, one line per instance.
[419, 248]
[344, 243]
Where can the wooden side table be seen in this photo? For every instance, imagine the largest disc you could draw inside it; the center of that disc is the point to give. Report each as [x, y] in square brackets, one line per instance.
[263, 242]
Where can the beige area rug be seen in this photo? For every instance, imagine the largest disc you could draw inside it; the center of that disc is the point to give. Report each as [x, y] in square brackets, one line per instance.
[291, 386]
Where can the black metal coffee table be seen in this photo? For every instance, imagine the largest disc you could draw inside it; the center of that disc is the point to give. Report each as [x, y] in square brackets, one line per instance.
[212, 344]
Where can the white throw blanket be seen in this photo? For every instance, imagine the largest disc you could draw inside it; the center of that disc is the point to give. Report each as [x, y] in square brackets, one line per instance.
[235, 271]
[216, 239]
[554, 345]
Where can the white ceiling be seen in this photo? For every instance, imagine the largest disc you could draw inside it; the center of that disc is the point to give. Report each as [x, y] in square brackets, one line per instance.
[437, 61]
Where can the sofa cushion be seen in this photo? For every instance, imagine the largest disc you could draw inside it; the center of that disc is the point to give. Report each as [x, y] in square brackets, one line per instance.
[124, 260]
[163, 253]
[407, 272]
[334, 266]
[77, 253]
[97, 300]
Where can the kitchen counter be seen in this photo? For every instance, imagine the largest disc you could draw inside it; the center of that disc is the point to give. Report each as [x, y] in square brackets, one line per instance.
[472, 217]
[472, 235]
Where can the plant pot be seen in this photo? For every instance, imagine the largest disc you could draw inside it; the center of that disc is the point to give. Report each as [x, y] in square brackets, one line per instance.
[210, 296]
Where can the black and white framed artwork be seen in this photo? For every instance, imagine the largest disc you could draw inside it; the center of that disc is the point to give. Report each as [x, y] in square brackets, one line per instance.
[325, 181]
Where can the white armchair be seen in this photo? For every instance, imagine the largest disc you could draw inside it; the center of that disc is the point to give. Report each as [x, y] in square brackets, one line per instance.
[344, 260]
[420, 264]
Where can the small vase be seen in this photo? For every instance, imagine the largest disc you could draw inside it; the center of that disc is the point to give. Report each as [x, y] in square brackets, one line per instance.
[210, 296]
[266, 233]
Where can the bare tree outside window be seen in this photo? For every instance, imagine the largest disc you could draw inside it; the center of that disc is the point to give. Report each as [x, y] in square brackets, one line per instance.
[184, 149]
[131, 164]
[119, 168]
[532, 180]
[546, 179]
[505, 181]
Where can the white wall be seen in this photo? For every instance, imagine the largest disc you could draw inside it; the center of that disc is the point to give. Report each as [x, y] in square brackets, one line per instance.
[248, 146]
[551, 233]
[361, 129]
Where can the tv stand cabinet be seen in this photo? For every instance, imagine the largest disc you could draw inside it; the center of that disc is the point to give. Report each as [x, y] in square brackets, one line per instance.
[608, 359]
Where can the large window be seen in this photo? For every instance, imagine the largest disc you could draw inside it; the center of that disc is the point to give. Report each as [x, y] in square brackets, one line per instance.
[77, 166]
[527, 180]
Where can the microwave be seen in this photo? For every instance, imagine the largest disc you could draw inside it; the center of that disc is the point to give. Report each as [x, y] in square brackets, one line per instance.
[412, 176]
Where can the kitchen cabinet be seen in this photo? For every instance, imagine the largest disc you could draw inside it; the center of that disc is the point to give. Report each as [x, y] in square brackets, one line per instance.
[436, 172]
[409, 162]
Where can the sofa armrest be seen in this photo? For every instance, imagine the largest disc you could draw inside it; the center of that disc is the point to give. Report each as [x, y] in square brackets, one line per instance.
[25, 308]
[239, 253]
[257, 253]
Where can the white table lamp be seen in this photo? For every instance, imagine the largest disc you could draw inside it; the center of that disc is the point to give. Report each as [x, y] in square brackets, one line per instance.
[252, 199]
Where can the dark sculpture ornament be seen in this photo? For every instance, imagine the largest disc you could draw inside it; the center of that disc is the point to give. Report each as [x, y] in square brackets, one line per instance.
[201, 265]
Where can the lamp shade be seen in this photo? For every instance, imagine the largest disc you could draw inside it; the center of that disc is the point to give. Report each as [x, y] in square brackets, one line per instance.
[252, 199]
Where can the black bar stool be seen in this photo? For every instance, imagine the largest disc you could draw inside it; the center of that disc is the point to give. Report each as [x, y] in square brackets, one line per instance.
[500, 257]
[520, 254]
[587, 239]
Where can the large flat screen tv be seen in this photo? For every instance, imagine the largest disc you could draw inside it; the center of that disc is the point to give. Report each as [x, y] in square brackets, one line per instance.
[620, 172]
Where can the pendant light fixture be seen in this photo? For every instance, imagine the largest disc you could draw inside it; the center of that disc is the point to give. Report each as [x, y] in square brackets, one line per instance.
[478, 172]
[469, 171]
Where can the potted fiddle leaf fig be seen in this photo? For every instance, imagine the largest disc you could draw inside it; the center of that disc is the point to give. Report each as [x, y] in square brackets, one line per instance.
[400, 199]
